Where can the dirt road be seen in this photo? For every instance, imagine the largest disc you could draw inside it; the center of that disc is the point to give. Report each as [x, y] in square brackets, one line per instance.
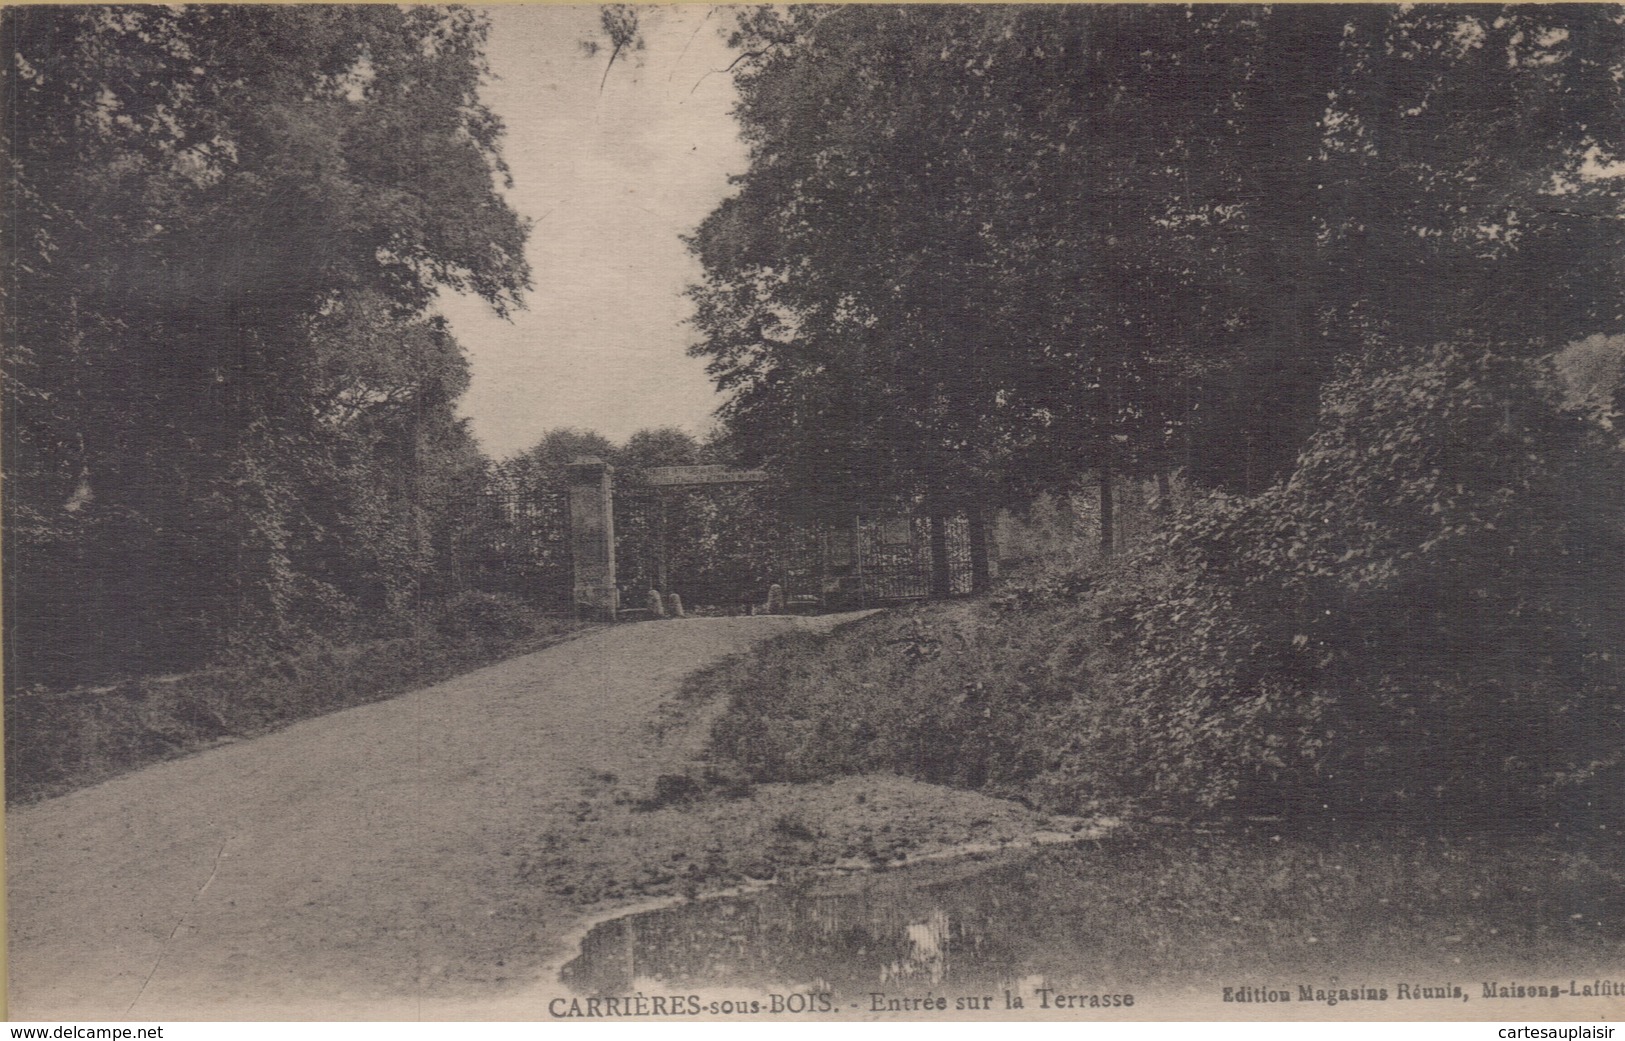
[331, 868]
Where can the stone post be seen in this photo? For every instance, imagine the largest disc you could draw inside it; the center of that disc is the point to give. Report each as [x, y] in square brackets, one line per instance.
[592, 537]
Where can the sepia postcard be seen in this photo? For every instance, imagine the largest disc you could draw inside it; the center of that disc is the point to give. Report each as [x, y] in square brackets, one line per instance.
[826, 513]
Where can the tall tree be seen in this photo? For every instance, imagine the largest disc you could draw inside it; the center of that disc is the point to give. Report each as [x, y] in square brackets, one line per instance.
[994, 248]
[562, 446]
[229, 224]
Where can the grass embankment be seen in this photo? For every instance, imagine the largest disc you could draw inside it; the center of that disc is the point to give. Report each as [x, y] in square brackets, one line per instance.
[980, 696]
[948, 693]
[1422, 622]
[60, 741]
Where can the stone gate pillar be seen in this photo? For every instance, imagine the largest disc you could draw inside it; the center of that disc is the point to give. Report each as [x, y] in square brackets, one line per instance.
[592, 537]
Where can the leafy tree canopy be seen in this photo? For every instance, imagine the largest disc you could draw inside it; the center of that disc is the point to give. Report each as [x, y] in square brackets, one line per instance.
[226, 229]
[981, 250]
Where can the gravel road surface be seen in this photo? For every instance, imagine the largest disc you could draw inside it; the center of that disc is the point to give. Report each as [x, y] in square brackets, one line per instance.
[357, 865]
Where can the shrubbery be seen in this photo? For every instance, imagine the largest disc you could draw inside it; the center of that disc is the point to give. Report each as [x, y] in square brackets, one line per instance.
[938, 695]
[478, 616]
[1427, 612]
[1426, 619]
[57, 741]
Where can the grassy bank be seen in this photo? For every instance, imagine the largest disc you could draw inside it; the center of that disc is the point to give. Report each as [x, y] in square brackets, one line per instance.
[1045, 700]
[980, 696]
[949, 693]
[57, 741]
[615, 846]
[1423, 622]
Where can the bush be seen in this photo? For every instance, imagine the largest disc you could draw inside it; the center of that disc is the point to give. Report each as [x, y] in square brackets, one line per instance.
[948, 693]
[491, 617]
[1424, 619]
[57, 741]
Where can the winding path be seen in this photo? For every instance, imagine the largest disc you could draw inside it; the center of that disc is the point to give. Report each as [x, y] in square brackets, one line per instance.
[357, 865]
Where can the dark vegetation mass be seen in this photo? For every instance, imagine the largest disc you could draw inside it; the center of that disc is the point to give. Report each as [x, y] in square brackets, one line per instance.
[237, 490]
[1341, 283]
[57, 741]
[229, 404]
[1338, 286]
[1421, 622]
[987, 251]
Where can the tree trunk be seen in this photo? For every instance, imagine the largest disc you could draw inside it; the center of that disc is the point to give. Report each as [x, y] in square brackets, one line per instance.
[941, 585]
[1107, 512]
[981, 575]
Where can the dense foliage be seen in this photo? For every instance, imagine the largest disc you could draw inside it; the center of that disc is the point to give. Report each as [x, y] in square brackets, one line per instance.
[1429, 612]
[228, 408]
[1424, 620]
[980, 251]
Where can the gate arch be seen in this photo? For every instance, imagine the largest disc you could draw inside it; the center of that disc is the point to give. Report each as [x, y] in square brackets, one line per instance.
[627, 540]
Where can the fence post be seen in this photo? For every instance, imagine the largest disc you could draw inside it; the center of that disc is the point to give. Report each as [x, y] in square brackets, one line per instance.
[981, 571]
[592, 537]
[941, 576]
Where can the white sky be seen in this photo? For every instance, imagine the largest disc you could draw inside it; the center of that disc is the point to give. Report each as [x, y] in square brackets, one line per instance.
[611, 180]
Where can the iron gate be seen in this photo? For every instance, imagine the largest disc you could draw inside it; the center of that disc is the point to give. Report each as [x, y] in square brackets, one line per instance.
[517, 540]
[875, 560]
